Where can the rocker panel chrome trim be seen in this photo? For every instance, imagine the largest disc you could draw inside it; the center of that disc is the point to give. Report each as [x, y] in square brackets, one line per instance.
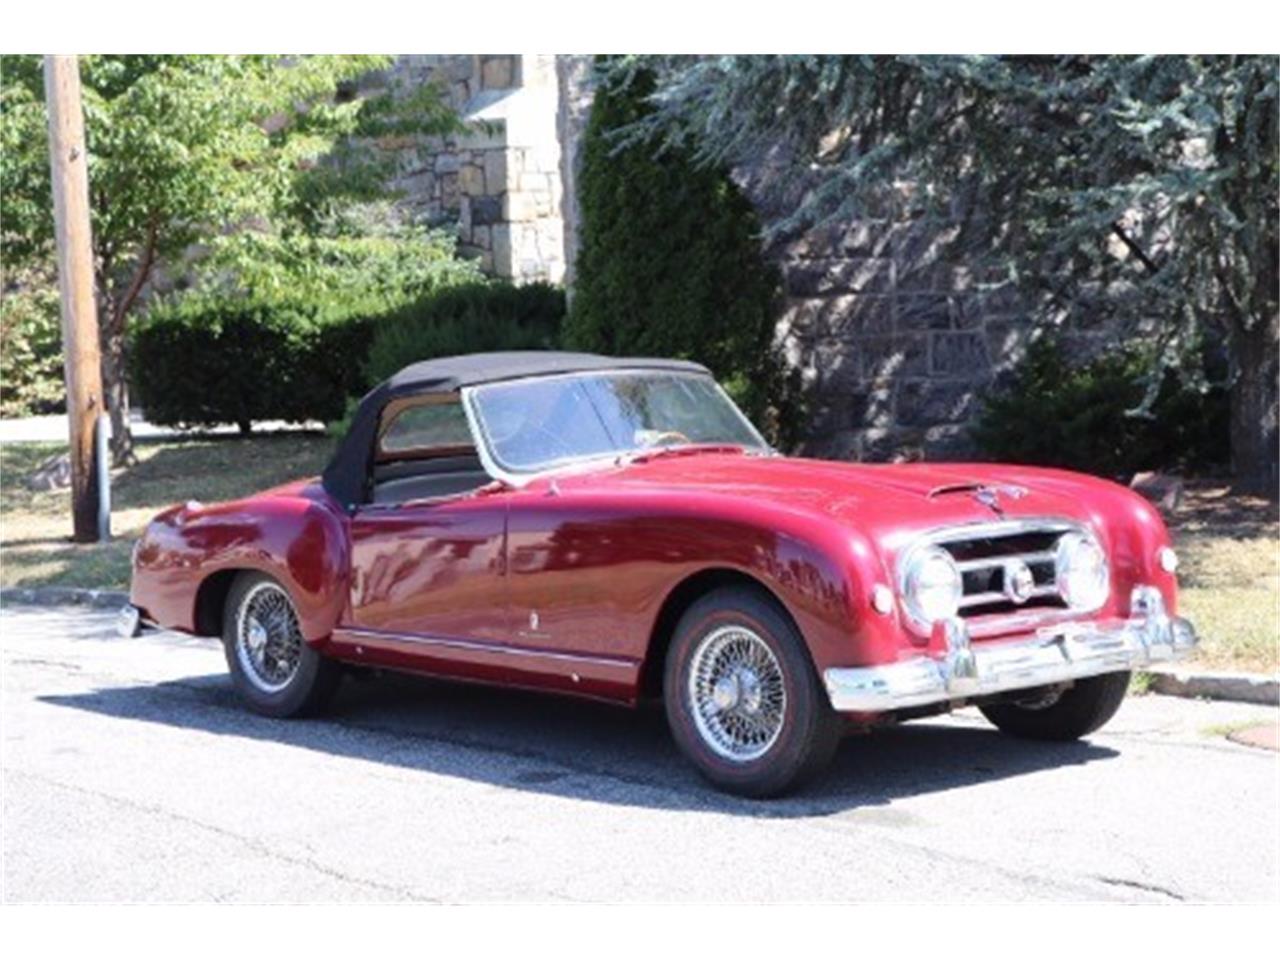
[353, 634]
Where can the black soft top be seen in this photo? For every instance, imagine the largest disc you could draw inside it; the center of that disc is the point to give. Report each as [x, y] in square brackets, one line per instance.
[346, 476]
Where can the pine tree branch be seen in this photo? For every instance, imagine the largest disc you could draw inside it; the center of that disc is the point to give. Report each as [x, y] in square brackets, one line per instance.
[1135, 249]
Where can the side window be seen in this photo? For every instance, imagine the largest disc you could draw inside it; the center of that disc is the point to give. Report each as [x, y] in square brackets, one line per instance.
[426, 426]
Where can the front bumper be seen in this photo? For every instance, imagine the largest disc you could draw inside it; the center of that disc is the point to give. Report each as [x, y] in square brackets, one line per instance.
[1055, 654]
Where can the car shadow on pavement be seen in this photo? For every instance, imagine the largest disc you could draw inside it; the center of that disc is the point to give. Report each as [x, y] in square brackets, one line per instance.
[581, 749]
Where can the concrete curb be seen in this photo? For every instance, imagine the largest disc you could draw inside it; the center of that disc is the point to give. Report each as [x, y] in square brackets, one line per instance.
[63, 596]
[1175, 681]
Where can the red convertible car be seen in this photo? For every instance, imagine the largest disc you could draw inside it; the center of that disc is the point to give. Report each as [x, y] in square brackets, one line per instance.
[616, 528]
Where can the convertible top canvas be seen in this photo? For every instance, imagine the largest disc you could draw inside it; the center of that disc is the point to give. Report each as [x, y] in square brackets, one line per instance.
[347, 473]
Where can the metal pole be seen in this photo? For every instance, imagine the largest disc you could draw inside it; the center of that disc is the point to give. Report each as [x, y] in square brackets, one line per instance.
[104, 478]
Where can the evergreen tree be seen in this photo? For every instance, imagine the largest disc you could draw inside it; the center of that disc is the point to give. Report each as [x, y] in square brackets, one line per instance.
[1143, 187]
[670, 262]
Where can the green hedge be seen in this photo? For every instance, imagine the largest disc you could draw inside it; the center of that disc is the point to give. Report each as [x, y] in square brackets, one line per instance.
[220, 359]
[468, 319]
[1081, 416]
[216, 358]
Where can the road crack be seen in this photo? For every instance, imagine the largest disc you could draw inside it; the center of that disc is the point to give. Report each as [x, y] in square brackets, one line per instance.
[256, 846]
[1140, 885]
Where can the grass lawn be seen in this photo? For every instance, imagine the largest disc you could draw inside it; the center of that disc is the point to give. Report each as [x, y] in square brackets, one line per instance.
[35, 527]
[1229, 549]
[1228, 545]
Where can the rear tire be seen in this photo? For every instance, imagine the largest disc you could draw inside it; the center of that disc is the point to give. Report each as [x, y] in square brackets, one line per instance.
[1077, 712]
[275, 671]
[742, 698]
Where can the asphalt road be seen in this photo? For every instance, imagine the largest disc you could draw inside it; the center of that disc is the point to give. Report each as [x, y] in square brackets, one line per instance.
[131, 773]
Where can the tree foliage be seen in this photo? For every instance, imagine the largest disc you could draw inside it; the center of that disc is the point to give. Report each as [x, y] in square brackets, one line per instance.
[670, 261]
[1145, 187]
[184, 150]
[30, 349]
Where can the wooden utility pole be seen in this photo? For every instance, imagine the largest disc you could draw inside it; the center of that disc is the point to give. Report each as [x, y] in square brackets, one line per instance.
[82, 364]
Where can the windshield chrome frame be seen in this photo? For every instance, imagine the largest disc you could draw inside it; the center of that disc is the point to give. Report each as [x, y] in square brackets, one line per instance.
[519, 478]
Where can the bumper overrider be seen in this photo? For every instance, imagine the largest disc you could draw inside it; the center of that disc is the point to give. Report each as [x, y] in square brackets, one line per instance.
[1054, 654]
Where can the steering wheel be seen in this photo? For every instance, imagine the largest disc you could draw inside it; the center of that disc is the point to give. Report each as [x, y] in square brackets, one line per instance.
[662, 437]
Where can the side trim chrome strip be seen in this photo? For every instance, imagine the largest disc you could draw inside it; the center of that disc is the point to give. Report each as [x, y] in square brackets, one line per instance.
[476, 646]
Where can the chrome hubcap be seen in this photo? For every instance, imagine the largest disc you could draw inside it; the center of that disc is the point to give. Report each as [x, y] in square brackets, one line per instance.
[737, 693]
[268, 640]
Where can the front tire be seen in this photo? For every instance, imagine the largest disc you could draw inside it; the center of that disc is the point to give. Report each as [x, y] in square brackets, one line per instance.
[742, 698]
[1077, 712]
[275, 671]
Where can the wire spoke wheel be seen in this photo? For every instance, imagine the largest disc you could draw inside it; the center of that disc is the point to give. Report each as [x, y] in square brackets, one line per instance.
[268, 639]
[737, 693]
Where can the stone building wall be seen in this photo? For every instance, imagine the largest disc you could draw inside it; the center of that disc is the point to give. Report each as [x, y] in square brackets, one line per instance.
[894, 344]
[498, 184]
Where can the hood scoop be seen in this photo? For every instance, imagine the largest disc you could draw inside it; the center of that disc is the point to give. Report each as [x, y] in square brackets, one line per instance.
[989, 495]
[956, 488]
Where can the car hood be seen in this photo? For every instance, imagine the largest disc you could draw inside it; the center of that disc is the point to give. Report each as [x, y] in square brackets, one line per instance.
[897, 498]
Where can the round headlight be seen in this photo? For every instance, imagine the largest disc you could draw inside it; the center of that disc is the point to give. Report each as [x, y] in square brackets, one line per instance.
[1081, 571]
[931, 586]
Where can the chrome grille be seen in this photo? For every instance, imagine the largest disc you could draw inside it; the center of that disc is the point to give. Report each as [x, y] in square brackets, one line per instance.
[988, 554]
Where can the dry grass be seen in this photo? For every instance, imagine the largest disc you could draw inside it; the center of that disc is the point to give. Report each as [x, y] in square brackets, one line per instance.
[1228, 544]
[35, 527]
[1229, 548]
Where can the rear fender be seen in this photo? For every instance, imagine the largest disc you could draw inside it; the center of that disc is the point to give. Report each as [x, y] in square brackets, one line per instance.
[301, 541]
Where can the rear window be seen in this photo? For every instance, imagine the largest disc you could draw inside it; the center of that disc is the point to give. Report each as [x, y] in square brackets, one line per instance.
[425, 427]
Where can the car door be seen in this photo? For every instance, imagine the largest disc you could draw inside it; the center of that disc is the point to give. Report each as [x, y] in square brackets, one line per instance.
[427, 551]
[431, 569]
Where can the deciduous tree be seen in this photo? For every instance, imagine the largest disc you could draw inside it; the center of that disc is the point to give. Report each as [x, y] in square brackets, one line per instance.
[184, 150]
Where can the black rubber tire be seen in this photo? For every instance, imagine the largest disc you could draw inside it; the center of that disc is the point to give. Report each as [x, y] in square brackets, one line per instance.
[810, 728]
[1079, 711]
[310, 688]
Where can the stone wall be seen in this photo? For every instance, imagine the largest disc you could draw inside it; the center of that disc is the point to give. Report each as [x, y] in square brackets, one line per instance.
[498, 184]
[894, 343]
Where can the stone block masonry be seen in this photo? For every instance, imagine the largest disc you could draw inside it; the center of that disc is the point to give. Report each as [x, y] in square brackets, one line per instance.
[895, 337]
[498, 184]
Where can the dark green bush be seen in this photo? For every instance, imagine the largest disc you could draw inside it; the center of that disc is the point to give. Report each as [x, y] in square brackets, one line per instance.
[1056, 413]
[283, 332]
[214, 358]
[670, 262]
[219, 359]
[468, 319]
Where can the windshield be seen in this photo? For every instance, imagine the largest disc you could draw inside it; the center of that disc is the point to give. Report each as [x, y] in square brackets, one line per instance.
[536, 424]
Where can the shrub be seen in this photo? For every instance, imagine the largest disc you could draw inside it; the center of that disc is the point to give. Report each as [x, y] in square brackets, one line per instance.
[283, 335]
[670, 262]
[1056, 413]
[213, 358]
[210, 359]
[31, 352]
[467, 319]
